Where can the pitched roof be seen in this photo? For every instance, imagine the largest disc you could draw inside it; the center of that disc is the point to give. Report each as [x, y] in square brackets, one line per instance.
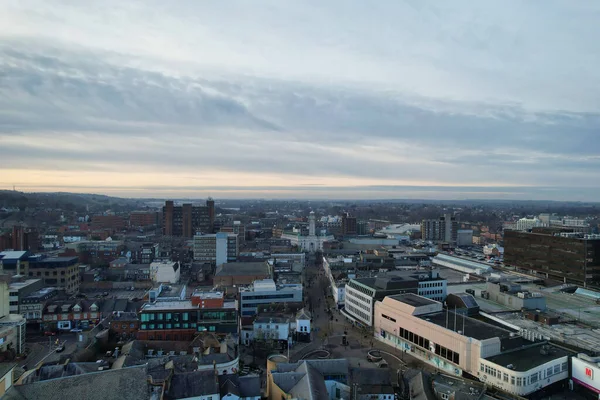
[194, 384]
[241, 386]
[305, 379]
[102, 385]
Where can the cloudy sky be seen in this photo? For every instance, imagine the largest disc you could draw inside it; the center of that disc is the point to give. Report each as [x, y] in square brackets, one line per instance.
[306, 99]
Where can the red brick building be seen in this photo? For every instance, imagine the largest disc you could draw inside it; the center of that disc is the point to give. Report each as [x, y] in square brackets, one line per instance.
[114, 222]
[125, 324]
[138, 219]
[208, 299]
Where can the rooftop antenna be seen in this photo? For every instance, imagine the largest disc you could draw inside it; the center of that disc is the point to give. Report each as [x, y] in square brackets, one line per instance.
[463, 330]
[447, 309]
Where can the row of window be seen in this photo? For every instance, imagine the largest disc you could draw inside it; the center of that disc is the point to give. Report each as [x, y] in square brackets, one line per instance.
[447, 353]
[414, 338]
[431, 284]
[185, 325]
[361, 288]
[356, 312]
[356, 303]
[523, 381]
[428, 292]
[269, 296]
[200, 315]
[359, 296]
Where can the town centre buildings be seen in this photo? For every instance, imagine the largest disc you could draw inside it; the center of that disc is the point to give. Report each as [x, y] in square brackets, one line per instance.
[457, 344]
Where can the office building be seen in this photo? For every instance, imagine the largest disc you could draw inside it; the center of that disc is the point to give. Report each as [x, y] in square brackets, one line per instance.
[361, 294]
[187, 219]
[568, 257]
[60, 272]
[32, 306]
[444, 229]
[148, 252]
[456, 344]
[181, 320]
[21, 289]
[265, 291]
[586, 375]
[237, 228]
[216, 248]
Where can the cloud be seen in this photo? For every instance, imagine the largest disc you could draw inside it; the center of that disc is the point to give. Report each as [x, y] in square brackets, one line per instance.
[397, 95]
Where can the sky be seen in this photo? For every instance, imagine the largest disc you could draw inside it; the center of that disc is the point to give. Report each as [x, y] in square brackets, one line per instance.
[302, 99]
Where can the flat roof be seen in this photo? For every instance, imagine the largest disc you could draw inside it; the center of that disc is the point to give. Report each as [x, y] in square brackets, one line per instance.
[12, 255]
[20, 285]
[207, 295]
[528, 358]
[469, 327]
[413, 300]
[243, 268]
[179, 305]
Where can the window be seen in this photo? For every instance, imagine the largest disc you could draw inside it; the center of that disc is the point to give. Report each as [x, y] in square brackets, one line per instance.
[519, 381]
[565, 366]
[505, 376]
[533, 378]
[512, 380]
[556, 369]
[548, 372]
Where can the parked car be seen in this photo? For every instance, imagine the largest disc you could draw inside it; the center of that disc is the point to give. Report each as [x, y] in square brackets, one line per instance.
[76, 330]
[49, 333]
[60, 348]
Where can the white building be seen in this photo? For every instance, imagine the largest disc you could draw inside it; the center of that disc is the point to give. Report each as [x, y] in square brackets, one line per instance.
[217, 248]
[312, 242]
[165, 272]
[265, 291]
[586, 373]
[338, 287]
[461, 264]
[525, 224]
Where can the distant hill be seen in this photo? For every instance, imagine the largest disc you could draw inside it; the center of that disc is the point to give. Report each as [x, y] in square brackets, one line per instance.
[80, 202]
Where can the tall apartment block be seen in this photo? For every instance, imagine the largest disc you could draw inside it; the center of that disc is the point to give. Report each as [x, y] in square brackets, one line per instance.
[444, 229]
[570, 257]
[349, 225]
[186, 220]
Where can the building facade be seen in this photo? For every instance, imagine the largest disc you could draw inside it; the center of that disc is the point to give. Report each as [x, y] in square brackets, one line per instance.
[571, 258]
[265, 291]
[180, 320]
[165, 272]
[310, 242]
[61, 272]
[444, 229]
[456, 344]
[187, 219]
[20, 290]
[216, 248]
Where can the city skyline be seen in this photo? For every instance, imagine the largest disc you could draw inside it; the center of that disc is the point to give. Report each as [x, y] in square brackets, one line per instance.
[304, 100]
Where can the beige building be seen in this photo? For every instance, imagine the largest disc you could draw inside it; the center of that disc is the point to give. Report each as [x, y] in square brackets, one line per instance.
[61, 272]
[454, 344]
[12, 326]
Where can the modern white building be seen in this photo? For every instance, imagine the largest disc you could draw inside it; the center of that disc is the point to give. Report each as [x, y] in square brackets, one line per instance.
[362, 294]
[525, 224]
[164, 271]
[266, 291]
[586, 373]
[311, 242]
[217, 248]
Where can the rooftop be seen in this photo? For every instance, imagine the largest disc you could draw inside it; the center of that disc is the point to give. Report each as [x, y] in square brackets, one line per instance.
[179, 305]
[20, 285]
[207, 295]
[12, 255]
[467, 326]
[525, 359]
[413, 299]
[243, 268]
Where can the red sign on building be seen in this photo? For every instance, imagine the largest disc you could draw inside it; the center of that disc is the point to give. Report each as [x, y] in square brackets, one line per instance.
[589, 373]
